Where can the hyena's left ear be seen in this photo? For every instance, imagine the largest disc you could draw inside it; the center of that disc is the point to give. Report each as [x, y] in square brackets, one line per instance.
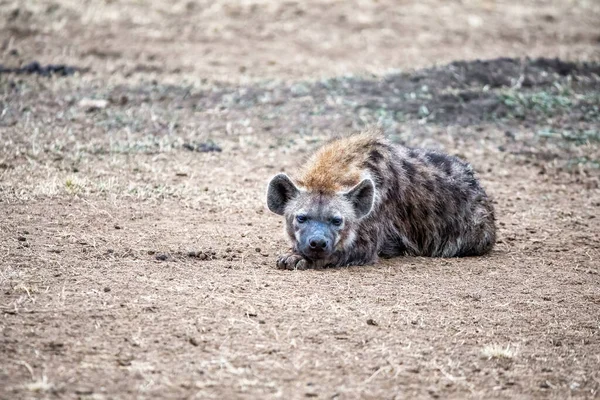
[281, 191]
[361, 196]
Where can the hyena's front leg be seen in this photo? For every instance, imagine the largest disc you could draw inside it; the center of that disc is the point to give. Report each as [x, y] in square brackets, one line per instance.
[292, 260]
[355, 258]
[364, 251]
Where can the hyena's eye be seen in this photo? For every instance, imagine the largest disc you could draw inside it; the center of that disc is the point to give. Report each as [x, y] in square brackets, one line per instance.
[337, 221]
[301, 218]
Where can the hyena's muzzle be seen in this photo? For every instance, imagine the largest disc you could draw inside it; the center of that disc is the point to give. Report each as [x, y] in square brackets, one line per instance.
[315, 240]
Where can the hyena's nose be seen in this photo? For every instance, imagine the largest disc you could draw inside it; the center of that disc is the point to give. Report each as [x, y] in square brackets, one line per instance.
[317, 243]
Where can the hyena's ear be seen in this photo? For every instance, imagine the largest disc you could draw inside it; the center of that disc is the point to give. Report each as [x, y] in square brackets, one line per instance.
[361, 196]
[281, 190]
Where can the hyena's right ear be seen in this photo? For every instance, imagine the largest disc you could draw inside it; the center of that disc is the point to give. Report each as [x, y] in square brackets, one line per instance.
[281, 191]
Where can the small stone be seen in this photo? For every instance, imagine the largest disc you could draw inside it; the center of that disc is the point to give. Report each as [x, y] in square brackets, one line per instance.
[118, 226]
[106, 289]
[162, 257]
[21, 238]
[125, 361]
[258, 250]
[193, 341]
[371, 322]
[91, 105]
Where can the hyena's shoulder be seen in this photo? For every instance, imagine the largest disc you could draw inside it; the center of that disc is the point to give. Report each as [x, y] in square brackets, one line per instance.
[344, 162]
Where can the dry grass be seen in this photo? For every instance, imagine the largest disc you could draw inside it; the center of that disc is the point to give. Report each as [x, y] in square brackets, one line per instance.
[40, 386]
[496, 351]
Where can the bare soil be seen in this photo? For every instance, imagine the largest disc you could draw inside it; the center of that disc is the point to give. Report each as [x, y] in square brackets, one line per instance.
[138, 257]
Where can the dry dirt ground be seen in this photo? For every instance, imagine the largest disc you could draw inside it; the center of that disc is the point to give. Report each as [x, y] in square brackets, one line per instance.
[137, 260]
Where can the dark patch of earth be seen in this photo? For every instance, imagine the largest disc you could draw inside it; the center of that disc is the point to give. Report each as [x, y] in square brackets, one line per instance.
[35, 68]
[464, 93]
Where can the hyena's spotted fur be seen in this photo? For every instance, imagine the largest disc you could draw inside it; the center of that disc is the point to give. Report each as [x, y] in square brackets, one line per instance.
[423, 203]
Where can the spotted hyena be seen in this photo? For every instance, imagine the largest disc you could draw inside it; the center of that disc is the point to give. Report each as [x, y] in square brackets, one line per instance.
[362, 196]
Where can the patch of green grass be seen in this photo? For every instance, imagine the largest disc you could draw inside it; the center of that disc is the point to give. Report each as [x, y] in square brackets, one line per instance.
[72, 186]
[584, 162]
[545, 103]
[575, 136]
[550, 103]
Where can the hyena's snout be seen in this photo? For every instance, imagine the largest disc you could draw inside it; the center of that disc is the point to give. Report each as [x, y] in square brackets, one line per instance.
[316, 247]
[315, 243]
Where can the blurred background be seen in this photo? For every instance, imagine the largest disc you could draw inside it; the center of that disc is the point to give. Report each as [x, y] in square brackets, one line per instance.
[256, 39]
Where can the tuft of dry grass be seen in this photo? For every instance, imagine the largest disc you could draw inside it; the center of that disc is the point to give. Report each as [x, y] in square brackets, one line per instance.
[40, 386]
[499, 352]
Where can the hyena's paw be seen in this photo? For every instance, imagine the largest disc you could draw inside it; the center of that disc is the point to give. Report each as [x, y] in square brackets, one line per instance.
[292, 261]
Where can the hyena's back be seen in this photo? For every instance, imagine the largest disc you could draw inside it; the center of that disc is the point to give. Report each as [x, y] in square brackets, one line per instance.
[426, 203]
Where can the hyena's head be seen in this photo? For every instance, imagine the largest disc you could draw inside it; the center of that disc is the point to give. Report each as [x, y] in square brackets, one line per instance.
[320, 224]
